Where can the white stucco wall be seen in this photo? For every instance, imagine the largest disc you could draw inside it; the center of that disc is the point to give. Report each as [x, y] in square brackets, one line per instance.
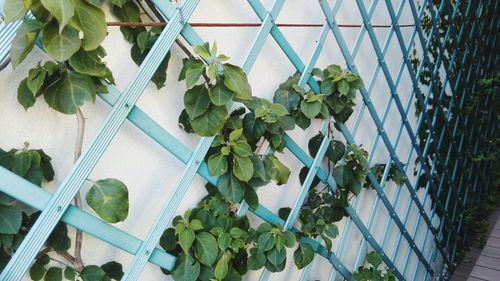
[150, 172]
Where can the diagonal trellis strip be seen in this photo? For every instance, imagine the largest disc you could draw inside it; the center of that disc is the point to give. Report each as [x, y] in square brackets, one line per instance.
[56, 207]
[350, 63]
[192, 166]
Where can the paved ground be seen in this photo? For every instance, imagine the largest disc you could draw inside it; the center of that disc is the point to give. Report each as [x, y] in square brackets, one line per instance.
[480, 265]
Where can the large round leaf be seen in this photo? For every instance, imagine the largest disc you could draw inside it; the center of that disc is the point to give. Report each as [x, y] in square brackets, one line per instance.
[60, 45]
[220, 95]
[231, 188]
[186, 268]
[236, 81]
[93, 273]
[13, 10]
[303, 255]
[211, 122]
[92, 21]
[196, 101]
[63, 10]
[69, 93]
[217, 164]
[10, 219]
[206, 248]
[24, 41]
[109, 199]
[243, 168]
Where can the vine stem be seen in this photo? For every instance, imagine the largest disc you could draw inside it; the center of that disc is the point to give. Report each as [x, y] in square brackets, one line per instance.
[78, 262]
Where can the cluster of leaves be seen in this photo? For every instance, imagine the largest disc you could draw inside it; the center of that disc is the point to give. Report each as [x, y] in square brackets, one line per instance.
[372, 273]
[40, 270]
[394, 175]
[212, 243]
[142, 38]
[77, 72]
[237, 136]
[34, 166]
[103, 197]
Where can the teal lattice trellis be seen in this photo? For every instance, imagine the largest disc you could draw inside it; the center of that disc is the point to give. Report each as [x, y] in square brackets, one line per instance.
[460, 77]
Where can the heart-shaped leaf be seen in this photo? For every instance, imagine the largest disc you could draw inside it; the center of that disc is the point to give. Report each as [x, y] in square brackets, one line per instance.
[69, 92]
[60, 45]
[109, 199]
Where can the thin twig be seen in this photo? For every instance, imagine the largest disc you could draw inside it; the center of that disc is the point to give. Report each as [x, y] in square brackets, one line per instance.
[78, 262]
[61, 262]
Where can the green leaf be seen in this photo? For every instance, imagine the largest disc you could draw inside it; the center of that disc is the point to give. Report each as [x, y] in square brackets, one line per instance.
[193, 73]
[63, 10]
[253, 128]
[35, 79]
[243, 149]
[37, 270]
[211, 122]
[222, 267]
[60, 46]
[278, 109]
[332, 230]
[256, 260]
[344, 87]
[186, 268]
[24, 41]
[217, 164]
[310, 109]
[69, 92]
[301, 120]
[265, 241]
[374, 259]
[70, 274]
[89, 62]
[202, 50]
[236, 80]
[186, 239]
[224, 240]
[10, 219]
[231, 188]
[54, 274]
[303, 255]
[59, 239]
[334, 71]
[341, 175]
[113, 270]
[119, 3]
[92, 22]
[206, 249]
[336, 151]
[14, 10]
[289, 239]
[160, 75]
[196, 101]
[109, 199]
[289, 99]
[251, 198]
[276, 170]
[93, 273]
[22, 163]
[167, 240]
[24, 95]
[242, 168]
[356, 186]
[275, 256]
[219, 94]
[143, 40]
